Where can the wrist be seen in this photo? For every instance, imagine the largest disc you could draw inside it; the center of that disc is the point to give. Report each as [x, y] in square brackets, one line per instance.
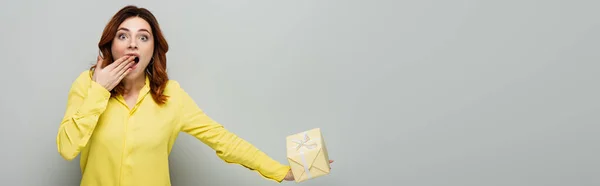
[289, 176]
[95, 86]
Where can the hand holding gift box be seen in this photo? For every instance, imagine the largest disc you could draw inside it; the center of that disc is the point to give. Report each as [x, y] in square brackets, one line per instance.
[307, 155]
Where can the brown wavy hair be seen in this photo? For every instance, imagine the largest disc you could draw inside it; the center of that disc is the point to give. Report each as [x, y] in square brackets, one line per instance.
[157, 68]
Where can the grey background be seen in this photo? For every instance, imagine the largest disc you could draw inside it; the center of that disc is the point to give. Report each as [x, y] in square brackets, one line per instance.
[419, 93]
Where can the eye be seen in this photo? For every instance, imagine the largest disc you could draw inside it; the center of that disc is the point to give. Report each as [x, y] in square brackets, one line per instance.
[144, 38]
[122, 36]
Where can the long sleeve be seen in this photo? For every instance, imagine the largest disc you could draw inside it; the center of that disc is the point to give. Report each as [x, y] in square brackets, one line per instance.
[228, 146]
[86, 101]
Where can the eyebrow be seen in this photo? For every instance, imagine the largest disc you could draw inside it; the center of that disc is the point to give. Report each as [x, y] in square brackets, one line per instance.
[143, 29]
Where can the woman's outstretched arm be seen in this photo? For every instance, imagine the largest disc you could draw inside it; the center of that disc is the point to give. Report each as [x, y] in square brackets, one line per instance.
[228, 146]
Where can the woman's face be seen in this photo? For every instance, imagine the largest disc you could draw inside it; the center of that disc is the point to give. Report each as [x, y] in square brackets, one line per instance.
[134, 37]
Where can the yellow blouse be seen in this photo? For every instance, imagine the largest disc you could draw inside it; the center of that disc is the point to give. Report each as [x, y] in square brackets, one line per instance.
[123, 146]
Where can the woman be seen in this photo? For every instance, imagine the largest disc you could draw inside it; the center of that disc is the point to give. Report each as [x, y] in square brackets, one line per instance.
[124, 114]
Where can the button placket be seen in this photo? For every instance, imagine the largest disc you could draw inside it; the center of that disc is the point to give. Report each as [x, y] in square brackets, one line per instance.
[130, 145]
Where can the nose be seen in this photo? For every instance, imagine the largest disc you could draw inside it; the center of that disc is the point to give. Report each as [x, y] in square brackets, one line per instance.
[132, 44]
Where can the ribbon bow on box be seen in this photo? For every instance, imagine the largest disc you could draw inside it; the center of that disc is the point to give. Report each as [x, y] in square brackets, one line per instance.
[305, 143]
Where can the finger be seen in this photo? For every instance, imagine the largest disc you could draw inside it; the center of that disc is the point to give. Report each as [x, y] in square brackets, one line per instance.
[99, 62]
[123, 65]
[120, 61]
[117, 62]
[125, 68]
[124, 74]
[121, 76]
